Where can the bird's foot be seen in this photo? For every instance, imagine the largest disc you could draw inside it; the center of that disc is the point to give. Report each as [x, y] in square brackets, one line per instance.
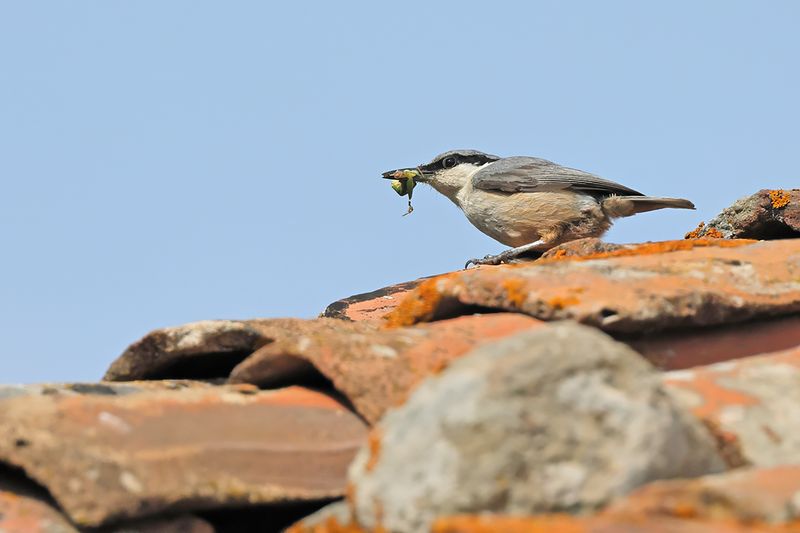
[504, 257]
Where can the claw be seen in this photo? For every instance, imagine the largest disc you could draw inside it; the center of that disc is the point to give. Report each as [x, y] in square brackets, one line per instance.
[508, 256]
[488, 260]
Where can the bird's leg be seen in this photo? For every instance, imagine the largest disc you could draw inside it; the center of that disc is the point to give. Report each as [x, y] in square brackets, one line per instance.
[505, 256]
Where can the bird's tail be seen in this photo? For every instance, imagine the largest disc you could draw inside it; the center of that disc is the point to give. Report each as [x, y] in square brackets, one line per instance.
[625, 206]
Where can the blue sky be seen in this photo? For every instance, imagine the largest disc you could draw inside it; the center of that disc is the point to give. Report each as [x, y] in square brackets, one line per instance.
[164, 162]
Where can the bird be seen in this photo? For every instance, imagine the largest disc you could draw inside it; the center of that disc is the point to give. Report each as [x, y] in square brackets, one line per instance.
[528, 203]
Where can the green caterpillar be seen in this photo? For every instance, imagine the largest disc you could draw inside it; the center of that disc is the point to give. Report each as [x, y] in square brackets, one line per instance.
[404, 185]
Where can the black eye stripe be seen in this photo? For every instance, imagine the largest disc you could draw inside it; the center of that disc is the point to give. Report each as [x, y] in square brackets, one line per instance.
[474, 159]
[478, 159]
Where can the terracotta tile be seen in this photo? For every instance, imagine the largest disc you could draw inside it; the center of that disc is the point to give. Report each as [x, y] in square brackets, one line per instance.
[369, 305]
[377, 369]
[675, 350]
[211, 348]
[654, 287]
[752, 404]
[109, 457]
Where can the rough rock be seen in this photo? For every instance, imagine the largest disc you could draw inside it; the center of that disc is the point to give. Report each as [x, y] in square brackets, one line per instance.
[106, 457]
[211, 348]
[654, 287]
[767, 214]
[376, 369]
[369, 305]
[752, 500]
[557, 419]
[752, 404]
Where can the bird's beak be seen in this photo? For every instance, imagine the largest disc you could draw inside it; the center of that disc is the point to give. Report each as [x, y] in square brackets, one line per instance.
[404, 173]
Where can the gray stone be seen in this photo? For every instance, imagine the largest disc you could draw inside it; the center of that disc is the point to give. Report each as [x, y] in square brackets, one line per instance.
[754, 402]
[561, 419]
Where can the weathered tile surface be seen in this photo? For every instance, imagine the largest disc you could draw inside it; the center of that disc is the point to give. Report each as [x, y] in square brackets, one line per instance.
[654, 287]
[377, 369]
[106, 457]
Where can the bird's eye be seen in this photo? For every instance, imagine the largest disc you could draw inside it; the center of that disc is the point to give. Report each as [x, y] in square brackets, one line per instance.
[450, 162]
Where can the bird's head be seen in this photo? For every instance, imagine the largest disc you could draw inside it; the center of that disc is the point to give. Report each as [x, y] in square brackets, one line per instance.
[448, 172]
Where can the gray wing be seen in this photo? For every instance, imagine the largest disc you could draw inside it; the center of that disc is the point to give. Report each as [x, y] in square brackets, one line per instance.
[531, 174]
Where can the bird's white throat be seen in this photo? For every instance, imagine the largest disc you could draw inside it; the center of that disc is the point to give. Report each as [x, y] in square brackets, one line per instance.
[452, 180]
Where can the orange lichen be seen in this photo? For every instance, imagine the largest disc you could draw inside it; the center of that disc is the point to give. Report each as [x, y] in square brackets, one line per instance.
[559, 253]
[374, 445]
[508, 524]
[439, 366]
[421, 303]
[696, 232]
[418, 305]
[715, 395]
[685, 514]
[561, 302]
[515, 293]
[651, 248]
[701, 231]
[631, 521]
[684, 509]
[350, 496]
[779, 198]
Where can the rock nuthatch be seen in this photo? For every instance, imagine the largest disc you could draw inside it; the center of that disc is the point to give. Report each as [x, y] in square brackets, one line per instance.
[528, 203]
